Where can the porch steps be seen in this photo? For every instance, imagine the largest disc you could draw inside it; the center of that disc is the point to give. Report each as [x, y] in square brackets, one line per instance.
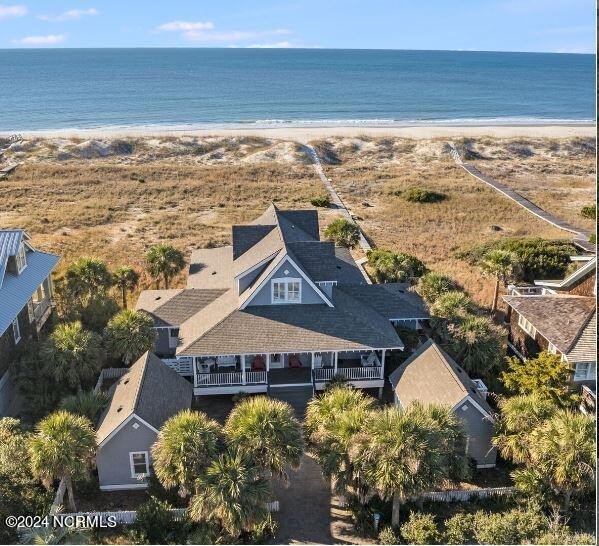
[297, 396]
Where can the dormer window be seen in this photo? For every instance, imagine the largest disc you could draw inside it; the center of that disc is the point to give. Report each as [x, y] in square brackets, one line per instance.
[286, 291]
[21, 259]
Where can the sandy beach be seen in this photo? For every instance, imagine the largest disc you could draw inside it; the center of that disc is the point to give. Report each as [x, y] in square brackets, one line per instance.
[304, 134]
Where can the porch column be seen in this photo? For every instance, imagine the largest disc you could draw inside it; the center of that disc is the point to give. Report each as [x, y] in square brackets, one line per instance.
[194, 362]
[312, 361]
[243, 369]
[383, 364]
[335, 359]
[268, 355]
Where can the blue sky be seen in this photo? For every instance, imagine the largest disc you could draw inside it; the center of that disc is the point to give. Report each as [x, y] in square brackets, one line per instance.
[493, 25]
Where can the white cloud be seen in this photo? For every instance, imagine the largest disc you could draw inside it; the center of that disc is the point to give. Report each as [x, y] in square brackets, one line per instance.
[203, 31]
[70, 15]
[276, 45]
[48, 39]
[186, 26]
[12, 11]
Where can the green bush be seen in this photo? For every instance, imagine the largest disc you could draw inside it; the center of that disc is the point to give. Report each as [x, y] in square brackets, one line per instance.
[451, 305]
[459, 529]
[517, 526]
[389, 266]
[421, 195]
[420, 529]
[563, 535]
[321, 201]
[264, 531]
[157, 523]
[388, 536]
[590, 211]
[432, 285]
[343, 233]
[535, 258]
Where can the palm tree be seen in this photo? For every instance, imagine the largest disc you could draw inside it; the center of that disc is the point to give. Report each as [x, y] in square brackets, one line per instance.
[129, 334]
[232, 493]
[267, 431]
[343, 232]
[74, 354]
[499, 264]
[86, 277]
[451, 304]
[477, 343]
[400, 453]
[432, 285]
[187, 443]
[331, 422]
[62, 448]
[563, 453]
[519, 417]
[126, 278]
[164, 261]
[85, 403]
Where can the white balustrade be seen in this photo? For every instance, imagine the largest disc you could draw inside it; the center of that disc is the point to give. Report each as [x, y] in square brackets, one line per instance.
[219, 378]
[351, 374]
[255, 377]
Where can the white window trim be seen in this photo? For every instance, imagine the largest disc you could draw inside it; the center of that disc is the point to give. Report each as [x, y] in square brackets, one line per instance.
[16, 330]
[132, 466]
[527, 326]
[285, 281]
[21, 259]
[589, 373]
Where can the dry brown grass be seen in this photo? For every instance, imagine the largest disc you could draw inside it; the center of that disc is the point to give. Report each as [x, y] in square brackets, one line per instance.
[189, 191]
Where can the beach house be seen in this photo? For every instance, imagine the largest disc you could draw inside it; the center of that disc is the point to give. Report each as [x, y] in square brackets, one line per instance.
[25, 299]
[279, 308]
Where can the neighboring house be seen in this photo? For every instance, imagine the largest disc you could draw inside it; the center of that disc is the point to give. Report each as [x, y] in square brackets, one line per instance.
[25, 299]
[141, 401]
[559, 317]
[279, 308]
[431, 376]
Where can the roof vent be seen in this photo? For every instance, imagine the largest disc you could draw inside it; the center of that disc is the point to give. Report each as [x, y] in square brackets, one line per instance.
[126, 381]
[119, 409]
[157, 298]
[214, 272]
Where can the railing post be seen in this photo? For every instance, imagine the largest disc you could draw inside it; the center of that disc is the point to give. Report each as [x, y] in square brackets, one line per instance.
[243, 369]
[383, 364]
[335, 359]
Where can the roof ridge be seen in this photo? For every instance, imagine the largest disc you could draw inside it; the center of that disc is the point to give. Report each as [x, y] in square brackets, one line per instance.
[141, 381]
[447, 361]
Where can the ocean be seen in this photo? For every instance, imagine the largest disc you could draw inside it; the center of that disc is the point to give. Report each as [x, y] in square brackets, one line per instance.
[49, 89]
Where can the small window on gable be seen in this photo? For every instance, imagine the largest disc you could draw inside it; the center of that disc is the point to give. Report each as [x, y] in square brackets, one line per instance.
[552, 348]
[16, 330]
[527, 326]
[139, 464]
[21, 259]
[286, 291]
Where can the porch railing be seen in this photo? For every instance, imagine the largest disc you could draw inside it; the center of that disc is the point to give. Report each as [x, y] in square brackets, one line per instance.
[218, 378]
[183, 365]
[255, 377]
[351, 374]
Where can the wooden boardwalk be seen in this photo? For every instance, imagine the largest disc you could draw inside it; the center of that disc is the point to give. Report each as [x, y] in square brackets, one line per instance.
[581, 235]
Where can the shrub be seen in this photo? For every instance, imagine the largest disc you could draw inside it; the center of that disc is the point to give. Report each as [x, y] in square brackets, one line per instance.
[343, 233]
[536, 258]
[321, 201]
[264, 531]
[420, 529]
[156, 522]
[85, 403]
[432, 285]
[452, 304]
[459, 529]
[421, 195]
[517, 526]
[389, 266]
[98, 311]
[388, 536]
[590, 211]
[563, 535]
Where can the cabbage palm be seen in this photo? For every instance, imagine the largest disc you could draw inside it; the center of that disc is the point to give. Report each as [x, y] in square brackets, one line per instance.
[519, 417]
[332, 420]
[433, 285]
[267, 431]
[164, 261]
[62, 448]
[87, 277]
[232, 492]
[500, 265]
[187, 443]
[85, 403]
[74, 354]
[400, 453]
[129, 334]
[126, 278]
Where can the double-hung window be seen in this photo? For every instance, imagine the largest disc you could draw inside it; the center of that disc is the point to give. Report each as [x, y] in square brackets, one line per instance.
[286, 291]
[585, 370]
[16, 330]
[527, 326]
[140, 467]
[21, 259]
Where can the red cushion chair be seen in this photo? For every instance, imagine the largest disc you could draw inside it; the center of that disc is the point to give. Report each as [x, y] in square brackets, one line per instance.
[295, 362]
[258, 364]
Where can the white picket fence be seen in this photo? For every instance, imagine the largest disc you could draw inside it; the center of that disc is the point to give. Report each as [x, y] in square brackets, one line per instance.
[463, 495]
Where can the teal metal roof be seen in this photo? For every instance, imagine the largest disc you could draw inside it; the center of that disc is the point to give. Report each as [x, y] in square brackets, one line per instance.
[17, 289]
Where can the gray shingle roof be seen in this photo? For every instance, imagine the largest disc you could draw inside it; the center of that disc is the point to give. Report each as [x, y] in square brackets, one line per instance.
[584, 348]
[431, 376]
[246, 236]
[16, 290]
[211, 268]
[174, 307]
[349, 325]
[392, 300]
[141, 391]
[558, 318]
